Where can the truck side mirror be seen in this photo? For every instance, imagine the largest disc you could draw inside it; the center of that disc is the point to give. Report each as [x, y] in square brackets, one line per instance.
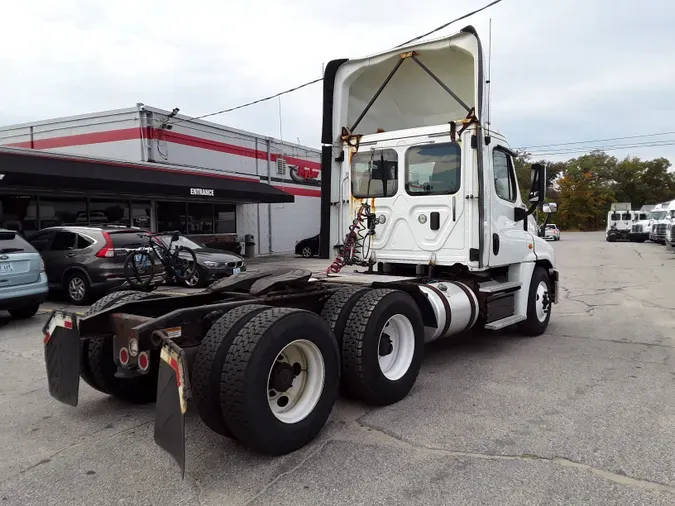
[538, 188]
[550, 208]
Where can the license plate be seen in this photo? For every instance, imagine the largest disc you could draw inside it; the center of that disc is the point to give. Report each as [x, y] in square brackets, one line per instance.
[6, 267]
[236, 270]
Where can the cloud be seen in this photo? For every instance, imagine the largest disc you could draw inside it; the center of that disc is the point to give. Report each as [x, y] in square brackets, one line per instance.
[561, 71]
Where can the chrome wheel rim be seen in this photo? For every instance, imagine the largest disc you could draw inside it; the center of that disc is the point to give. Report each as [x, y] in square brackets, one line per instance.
[396, 347]
[295, 381]
[543, 304]
[193, 280]
[76, 289]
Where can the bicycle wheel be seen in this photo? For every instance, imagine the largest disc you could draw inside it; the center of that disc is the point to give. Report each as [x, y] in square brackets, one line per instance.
[139, 269]
[184, 263]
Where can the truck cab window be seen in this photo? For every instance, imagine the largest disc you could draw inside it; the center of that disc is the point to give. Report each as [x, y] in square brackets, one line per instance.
[505, 181]
[434, 169]
[375, 173]
[615, 217]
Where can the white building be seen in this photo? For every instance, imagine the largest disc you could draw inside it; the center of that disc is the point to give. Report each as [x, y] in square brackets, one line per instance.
[204, 179]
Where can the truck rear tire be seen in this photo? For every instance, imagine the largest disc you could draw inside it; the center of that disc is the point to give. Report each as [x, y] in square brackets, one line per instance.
[383, 346]
[539, 304]
[98, 366]
[336, 313]
[209, 362]
[280, 380]
[103, 303]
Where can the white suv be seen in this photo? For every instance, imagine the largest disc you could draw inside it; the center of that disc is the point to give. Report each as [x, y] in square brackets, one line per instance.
[552, 232]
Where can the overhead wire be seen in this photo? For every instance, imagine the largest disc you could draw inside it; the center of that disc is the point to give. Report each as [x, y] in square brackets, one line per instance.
[314, 81]
[588, 149]
[555, 145]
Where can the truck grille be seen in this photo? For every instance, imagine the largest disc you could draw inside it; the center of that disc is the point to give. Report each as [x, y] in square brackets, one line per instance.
[660, 228]
[636, 229]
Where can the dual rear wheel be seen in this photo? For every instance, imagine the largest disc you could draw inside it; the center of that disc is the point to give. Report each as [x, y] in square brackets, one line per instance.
[269, 377]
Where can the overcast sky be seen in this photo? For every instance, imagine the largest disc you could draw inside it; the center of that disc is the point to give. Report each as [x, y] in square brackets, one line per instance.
[562, 70]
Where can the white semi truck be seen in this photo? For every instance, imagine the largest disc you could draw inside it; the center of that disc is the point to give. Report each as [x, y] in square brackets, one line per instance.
[423, 198]
[658, 222]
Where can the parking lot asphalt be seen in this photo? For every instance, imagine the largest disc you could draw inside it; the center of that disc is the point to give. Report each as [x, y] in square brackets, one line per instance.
[584, 414]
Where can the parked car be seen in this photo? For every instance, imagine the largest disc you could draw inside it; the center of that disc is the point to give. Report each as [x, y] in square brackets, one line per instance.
[87, 262]
[308, 247]
[23, 282]
[212, 264]
[552, 232]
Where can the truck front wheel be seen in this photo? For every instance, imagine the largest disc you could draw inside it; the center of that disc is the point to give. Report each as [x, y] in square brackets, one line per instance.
[280, 380]
[382, 346]
[539, 304]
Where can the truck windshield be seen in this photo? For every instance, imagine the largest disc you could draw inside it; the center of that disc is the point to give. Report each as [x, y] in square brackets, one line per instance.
[615, 217]
[375, 173]
[433, 169]
[658, 215]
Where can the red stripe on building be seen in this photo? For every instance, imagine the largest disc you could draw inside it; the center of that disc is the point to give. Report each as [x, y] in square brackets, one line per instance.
[298, 192]
[126, 134]
[129, 134]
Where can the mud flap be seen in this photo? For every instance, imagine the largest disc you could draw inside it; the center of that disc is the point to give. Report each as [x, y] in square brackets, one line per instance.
[173, 392]
[62, 357]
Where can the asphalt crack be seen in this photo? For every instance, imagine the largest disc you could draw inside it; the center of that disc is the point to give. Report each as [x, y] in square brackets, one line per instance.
[376, 436]
[286, 473]
[637, 343]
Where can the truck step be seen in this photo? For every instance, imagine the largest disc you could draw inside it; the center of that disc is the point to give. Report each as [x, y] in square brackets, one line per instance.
[505, 322]
[496, 286]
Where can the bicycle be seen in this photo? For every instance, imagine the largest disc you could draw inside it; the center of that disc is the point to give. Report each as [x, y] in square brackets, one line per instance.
[139, 265]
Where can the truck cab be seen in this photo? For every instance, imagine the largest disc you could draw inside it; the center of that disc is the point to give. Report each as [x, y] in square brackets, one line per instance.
[421, 186]
[658, 222]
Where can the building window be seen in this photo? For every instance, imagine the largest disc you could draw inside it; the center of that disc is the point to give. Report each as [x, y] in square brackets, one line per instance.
[200, 218]
[63, 211]
[19, 213]
[171, 216]
[141, 215]
[226, 218]
[108, 212]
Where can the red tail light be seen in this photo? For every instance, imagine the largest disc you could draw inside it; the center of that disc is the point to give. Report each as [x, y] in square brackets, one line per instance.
[107, 251]
[124, 356]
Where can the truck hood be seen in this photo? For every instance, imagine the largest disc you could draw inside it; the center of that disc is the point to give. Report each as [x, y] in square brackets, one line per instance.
[412, 98]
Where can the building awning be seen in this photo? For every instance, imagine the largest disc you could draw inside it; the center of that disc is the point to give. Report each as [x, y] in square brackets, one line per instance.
[26, 168]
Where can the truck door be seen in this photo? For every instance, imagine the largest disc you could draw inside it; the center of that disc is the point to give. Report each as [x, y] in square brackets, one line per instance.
[508, 241]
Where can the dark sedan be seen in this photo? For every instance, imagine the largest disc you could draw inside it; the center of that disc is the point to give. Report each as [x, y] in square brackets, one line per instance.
[308, 247]
[212, 264]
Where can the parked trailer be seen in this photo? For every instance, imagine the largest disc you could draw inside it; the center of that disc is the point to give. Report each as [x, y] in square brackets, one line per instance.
[262, 356]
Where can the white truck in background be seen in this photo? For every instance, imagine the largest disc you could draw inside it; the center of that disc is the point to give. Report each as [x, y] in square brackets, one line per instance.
[670, 232]
[619, 221]
[640, 229]
[658, 223]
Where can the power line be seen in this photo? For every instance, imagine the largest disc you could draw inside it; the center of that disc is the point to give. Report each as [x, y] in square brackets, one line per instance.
[290, 90]
[608, 148]
[309, 83]
[525, 148]
[451, 22]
